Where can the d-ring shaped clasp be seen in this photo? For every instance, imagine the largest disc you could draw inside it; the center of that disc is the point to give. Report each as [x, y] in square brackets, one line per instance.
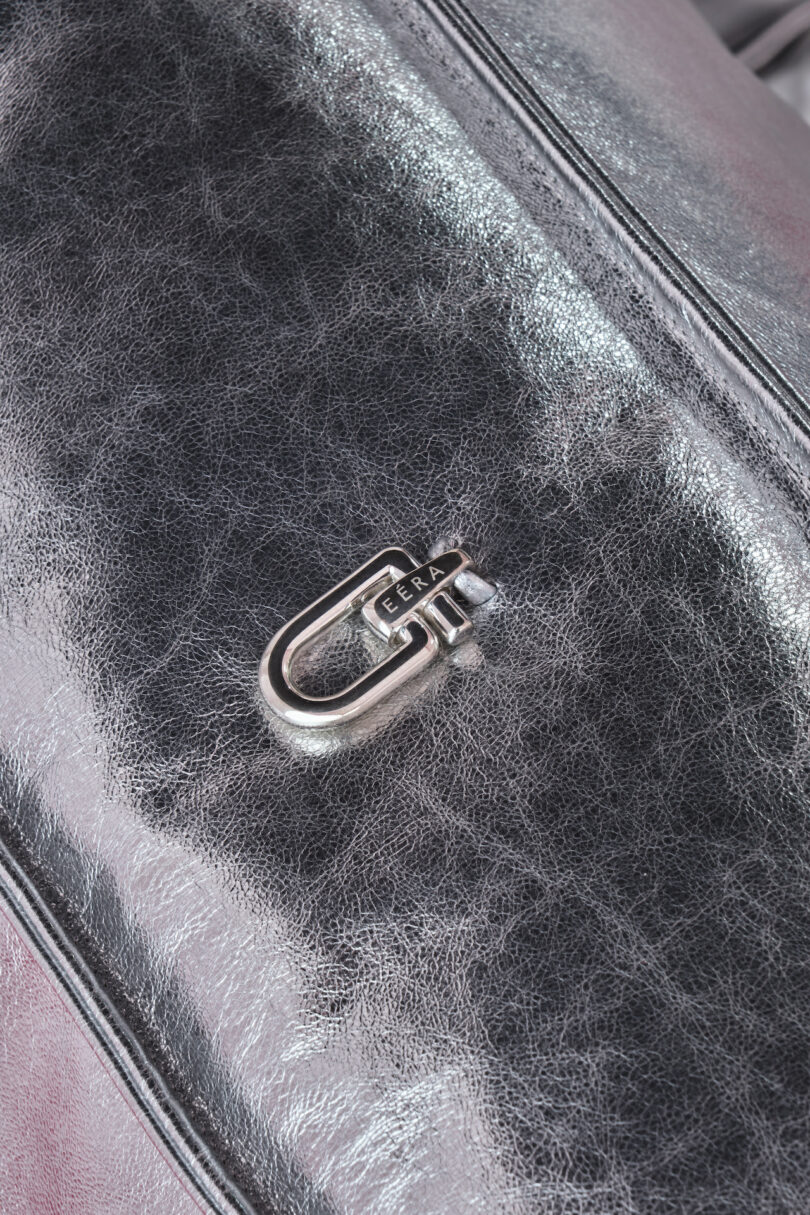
[403, 602]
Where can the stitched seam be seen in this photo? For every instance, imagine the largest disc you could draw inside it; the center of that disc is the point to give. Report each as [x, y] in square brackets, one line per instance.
[69, 1008]
[481, 48]
[44, 938]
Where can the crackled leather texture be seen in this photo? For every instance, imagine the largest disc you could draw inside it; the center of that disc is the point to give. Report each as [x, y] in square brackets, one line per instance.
[71, 1142]
[718, 166]
[282, 284]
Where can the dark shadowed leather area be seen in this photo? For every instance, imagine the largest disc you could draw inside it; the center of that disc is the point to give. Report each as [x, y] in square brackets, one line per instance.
[269, 301]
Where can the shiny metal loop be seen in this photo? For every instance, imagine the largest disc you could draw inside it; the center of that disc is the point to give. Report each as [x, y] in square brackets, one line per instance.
[404, 603]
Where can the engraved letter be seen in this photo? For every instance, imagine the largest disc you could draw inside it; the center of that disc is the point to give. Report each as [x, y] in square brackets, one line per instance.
[419, 584]
[434, 573]
[388, 605]
[403, 594]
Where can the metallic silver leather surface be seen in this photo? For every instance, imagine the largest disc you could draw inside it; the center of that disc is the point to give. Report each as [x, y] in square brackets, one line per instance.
[718, 166]
[282, 284]
[71, 1141]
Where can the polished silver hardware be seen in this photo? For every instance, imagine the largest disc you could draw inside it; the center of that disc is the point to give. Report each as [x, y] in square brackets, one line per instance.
[406, 604]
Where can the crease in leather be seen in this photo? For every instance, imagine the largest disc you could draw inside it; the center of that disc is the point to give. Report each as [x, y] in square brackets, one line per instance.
[541, 943]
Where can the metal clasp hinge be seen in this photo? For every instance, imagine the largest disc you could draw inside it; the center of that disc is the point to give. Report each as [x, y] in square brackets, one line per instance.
[406, 604]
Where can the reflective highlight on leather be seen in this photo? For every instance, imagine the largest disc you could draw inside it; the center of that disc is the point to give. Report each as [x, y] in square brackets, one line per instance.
[701, 148]
[540, 944]
[70, 1142]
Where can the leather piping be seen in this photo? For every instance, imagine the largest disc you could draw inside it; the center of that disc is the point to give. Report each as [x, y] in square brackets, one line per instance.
[686, 291]
[122, 1054]
[768, 45]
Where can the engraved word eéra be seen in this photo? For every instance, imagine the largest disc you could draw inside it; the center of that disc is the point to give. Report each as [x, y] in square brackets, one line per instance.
[406, 604]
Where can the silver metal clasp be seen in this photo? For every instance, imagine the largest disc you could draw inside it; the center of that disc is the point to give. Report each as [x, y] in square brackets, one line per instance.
[406, 604]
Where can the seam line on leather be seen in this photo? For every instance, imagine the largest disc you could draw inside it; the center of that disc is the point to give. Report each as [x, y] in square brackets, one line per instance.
[164, 1114]
[494, 65]
[79, 1023]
